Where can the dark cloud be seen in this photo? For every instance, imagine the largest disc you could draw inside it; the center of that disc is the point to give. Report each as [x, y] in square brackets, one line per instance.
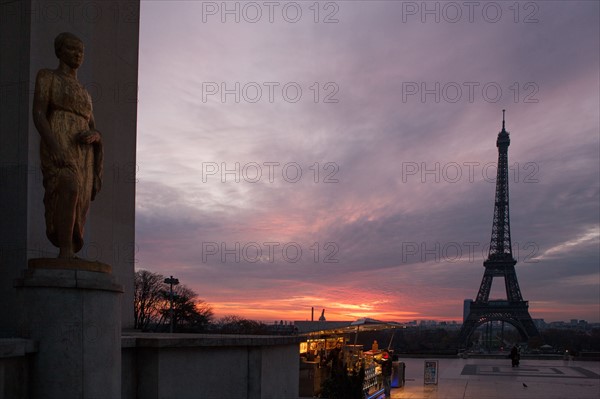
[406, 215]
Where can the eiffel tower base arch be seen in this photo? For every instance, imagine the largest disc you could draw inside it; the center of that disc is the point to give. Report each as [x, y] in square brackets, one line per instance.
[514, 313]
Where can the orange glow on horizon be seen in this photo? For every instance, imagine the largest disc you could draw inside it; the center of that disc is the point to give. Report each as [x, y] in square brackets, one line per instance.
[335, 312]
[442, 310]
[270, 312]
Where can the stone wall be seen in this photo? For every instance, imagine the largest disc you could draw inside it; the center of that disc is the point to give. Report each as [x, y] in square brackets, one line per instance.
[15, 355]
[210, 366]
[181, 366]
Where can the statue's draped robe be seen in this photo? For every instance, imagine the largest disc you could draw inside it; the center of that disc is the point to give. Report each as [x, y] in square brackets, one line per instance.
[69, 113]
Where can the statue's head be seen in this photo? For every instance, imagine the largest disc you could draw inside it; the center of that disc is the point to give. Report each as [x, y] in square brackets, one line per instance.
[69, 49]
[61, 40]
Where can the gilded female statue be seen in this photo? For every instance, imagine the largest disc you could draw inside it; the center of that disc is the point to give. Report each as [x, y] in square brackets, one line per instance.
[70, 147]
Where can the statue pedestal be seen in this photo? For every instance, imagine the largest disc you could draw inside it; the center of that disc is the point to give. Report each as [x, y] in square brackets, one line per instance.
[75, 317]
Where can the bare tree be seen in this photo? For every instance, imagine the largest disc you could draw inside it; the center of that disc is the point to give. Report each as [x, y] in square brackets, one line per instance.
[152, 305]
[148, 298]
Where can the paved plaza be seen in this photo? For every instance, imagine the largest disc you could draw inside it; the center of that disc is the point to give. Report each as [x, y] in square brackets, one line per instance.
[496, 379]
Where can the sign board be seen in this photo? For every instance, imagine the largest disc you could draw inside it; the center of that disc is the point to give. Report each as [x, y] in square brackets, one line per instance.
[431, 372]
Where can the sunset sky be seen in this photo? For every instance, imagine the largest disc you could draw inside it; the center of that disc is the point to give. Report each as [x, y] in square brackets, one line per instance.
[341, 155]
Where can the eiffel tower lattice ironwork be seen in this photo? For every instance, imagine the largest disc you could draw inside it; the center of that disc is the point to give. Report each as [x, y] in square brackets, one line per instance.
[500, 263]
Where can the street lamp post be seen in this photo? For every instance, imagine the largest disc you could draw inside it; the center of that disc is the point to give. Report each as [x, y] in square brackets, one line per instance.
[171, 281]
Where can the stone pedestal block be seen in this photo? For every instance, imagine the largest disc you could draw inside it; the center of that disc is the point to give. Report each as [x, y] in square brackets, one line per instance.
[75, 317]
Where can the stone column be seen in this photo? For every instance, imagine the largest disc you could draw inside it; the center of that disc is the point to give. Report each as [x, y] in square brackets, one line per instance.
[75, 317]
[110, 32]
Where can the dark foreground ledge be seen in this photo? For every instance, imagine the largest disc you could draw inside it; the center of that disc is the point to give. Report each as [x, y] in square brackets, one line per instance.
[166, 340]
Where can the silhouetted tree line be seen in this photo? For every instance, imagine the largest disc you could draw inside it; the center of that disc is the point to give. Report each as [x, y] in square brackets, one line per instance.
[575, 341]
[238, 325]
[152, 305]
[152, 310]
[441, 341]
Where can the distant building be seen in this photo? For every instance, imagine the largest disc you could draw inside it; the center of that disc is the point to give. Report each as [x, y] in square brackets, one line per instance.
[573, 324]
[466, 308]
[305, 327]
[322, 318]
[540, 324]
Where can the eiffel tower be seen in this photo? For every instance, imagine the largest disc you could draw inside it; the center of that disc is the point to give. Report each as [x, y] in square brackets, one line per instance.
[500, 263]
